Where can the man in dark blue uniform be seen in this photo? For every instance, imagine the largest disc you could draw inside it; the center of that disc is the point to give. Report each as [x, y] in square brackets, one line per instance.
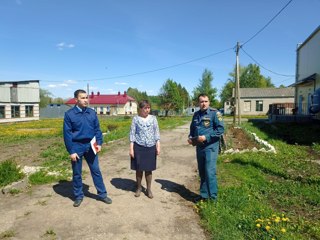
[80, 126]
[206, 129]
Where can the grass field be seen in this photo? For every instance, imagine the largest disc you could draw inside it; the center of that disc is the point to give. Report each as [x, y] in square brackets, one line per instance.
[261, 195]
[265, 195]
[46, 137]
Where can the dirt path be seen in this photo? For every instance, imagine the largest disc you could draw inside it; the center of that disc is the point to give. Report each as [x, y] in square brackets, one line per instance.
[46, 212]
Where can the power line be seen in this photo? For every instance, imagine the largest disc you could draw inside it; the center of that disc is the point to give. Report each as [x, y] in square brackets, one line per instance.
[151, 71]
[284, 75]
[267, 23]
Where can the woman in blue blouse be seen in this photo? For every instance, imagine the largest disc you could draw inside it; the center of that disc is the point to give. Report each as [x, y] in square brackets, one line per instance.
[144, 145]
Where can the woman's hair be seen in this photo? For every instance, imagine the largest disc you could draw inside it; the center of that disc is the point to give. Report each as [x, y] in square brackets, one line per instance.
[144, 103]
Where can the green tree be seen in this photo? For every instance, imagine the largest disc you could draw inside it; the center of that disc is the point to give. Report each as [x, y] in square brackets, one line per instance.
[137, 95]
[184, 96]
[170, 98]
[45, 98]
[205, 86]
[58, 100]
[250, 77]
[155, 102]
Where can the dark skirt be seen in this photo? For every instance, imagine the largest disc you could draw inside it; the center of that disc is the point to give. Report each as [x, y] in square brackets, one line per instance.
[145, 158]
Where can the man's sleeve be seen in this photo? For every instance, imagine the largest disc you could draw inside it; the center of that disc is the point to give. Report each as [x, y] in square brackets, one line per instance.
[218, 127]
[67, 133]
[98, 132]
[192, 129]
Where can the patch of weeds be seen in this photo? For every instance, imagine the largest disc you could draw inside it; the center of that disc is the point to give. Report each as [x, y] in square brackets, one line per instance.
[7, 234]
[14, 191]
[9, 172]
[316, 147]
[27, 213]
[42, 202]
[50, 234]
[41, 177]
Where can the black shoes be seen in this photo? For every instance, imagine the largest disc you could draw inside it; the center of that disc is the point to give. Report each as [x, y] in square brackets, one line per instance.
[199, 199]
[77, 202]
[106, 200]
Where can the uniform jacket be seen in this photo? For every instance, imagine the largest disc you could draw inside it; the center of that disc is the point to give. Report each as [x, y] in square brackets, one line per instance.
[208, 123]
[80, 127]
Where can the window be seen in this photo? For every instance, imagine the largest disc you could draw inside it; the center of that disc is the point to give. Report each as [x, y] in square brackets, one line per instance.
[259, 106]
[15, 111]
[29, 111]
[2, 111]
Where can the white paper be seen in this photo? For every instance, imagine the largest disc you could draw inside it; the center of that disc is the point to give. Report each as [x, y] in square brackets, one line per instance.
[93, 143]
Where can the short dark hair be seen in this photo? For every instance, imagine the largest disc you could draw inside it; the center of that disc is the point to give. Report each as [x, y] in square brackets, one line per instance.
[76, 93]
[202, 95]
[144, 103]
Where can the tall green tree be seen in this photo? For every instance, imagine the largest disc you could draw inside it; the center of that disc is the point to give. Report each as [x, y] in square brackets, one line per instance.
[250, 77]
[137, 95]
[205, 86]
[170, 98]
[45, 98]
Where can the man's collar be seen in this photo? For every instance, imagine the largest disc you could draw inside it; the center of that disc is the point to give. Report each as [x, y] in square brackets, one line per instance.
[81, 109]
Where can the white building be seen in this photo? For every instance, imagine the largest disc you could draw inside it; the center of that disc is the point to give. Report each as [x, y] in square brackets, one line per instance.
[308, 72]
[19, 101]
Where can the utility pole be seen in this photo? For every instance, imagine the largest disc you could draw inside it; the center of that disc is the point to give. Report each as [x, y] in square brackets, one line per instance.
[238, 85]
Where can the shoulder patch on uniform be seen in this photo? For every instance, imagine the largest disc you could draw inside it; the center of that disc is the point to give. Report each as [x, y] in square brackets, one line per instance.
[219, 116]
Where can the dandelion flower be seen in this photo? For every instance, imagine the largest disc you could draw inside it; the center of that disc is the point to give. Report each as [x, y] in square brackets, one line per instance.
[258, 225]
[283, 230]
[268, 228]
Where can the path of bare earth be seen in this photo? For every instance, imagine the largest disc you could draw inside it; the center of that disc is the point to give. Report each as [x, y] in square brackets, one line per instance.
[46, 212]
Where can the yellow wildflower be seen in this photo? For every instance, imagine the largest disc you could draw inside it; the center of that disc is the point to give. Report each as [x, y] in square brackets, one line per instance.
[258, 225]
[268, 228]
[277, 220]
[283, 230]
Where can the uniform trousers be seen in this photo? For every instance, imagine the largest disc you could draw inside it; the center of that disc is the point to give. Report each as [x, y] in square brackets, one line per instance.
[207, 164]
[92, 160]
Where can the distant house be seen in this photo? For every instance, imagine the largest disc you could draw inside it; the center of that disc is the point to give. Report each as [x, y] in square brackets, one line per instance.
[111, 104]
[307, 82]
[19, 101]
[256, 101]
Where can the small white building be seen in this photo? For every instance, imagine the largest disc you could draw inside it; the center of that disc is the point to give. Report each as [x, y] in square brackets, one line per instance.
[256, 101]
[19, 101]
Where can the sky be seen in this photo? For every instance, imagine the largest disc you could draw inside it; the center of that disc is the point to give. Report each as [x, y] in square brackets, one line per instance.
[109, 46]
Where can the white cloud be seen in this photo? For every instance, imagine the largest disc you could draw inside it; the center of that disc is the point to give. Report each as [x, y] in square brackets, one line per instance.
[60, 85]
[62, 45]
[70, 81]
[120, 83]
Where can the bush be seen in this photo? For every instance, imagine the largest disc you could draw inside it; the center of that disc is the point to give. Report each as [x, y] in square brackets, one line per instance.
[9, 173]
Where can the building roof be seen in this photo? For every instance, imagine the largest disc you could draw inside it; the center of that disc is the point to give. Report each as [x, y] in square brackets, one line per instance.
[308, 39]
[106, 99]
[19, 81]
[267, 92]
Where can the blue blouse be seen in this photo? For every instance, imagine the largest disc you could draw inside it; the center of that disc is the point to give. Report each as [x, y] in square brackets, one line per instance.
[144, 131]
